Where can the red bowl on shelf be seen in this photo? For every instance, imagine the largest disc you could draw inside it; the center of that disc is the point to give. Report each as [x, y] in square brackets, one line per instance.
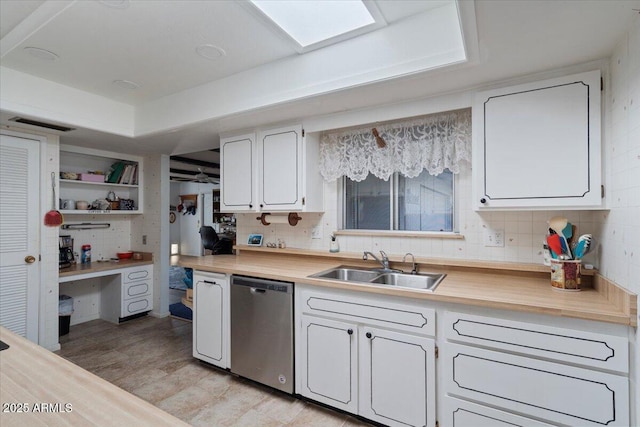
[125, 255]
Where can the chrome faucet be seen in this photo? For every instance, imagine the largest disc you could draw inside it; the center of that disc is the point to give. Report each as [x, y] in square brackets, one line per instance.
[413, 259]
[384, 261]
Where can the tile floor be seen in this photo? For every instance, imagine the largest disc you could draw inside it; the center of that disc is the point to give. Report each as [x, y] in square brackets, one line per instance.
[152, 359]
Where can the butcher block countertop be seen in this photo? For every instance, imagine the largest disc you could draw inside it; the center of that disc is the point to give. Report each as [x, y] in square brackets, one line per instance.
[508, 286]
[98, 267]
[39, 388]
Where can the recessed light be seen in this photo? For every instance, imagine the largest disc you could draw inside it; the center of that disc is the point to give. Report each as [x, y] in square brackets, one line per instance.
[210, 51]
[126, 84]
[116, 4]
[41, 53]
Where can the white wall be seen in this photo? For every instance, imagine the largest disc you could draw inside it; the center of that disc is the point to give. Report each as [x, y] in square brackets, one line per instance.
[620, 235]
[105, 243]
[153, 224]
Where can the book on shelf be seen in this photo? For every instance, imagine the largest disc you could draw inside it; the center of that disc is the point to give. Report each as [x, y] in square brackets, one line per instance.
[115, 173]
[126, 175]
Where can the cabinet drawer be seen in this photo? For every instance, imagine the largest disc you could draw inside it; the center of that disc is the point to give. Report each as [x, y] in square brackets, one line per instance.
[544, 390]
[409, 317]
[460, 413]
[135, 289]
[136, 305]
[136, 273]
[561, 344]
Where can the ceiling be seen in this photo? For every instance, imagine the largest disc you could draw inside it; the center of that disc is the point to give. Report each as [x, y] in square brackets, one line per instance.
[183, 101]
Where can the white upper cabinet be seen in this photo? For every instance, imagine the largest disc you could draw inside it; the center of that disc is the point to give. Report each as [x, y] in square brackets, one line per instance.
[280, 166]
[237, 176]
[275, 171]
[538, 145]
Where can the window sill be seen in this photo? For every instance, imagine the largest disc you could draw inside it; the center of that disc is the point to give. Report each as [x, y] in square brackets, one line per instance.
[400, 233]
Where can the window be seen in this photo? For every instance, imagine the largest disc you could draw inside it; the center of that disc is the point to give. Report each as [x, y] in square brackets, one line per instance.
[424, 203]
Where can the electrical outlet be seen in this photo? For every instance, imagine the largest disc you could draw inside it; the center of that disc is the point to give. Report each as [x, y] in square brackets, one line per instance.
[493, 238]
[316, 232]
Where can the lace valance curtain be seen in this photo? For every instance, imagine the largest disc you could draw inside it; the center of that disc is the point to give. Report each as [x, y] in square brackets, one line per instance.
[435, 143]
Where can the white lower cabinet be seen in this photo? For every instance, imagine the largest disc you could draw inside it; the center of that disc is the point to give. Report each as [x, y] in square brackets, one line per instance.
[397, 378]
[211, 313]
[128, 294]
[329, 361]
[367, 355]
[556, 375]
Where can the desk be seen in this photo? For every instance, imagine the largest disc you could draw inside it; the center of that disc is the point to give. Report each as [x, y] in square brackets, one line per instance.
[30, 374]
[125, 289]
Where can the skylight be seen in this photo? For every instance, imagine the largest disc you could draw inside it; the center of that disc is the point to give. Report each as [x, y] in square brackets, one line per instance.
[320, 22]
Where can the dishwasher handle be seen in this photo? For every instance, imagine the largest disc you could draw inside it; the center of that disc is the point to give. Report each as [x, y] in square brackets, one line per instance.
[262, 284]
[257, 291]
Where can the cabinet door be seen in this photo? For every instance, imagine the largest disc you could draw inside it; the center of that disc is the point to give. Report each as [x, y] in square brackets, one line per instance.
[397, 378]
[209, 325]
[280, 160]
[237, 176]
[328, 362]
[538, 144]
[543, 390]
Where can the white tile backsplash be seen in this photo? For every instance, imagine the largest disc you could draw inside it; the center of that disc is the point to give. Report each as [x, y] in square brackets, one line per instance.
[524, 231]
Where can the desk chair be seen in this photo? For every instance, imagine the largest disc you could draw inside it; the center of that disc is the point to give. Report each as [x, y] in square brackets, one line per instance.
[211, 241]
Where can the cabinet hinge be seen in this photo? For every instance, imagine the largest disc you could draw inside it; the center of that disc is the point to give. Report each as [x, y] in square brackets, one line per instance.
[437, 423]
[437, 352]
[601, 84]
[303, 201]
[303, 133]
[602, 191]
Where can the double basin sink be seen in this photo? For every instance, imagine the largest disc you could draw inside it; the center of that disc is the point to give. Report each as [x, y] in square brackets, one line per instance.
[424, 281]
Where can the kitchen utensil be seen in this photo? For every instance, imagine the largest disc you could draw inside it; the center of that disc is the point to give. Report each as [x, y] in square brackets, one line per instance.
[53, 218]
[567, 231]
[583, 246]
[558, 224]
[553, 240]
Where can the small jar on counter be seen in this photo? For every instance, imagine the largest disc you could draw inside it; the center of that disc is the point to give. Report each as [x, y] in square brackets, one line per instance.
[85, 258]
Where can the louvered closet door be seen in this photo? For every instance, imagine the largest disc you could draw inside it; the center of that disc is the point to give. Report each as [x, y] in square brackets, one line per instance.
[19, 234]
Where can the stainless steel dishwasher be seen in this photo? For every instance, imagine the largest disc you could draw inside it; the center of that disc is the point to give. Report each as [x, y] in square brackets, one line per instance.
[262, 331]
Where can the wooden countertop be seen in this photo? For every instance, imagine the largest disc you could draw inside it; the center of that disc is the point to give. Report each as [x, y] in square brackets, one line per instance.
[99, 266]
[31, 375]
[494, 285]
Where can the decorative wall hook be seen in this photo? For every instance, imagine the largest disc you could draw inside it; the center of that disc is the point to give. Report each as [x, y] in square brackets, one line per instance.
[381, 142]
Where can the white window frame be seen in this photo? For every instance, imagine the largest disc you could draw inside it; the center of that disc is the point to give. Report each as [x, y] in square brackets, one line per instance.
[394, 220]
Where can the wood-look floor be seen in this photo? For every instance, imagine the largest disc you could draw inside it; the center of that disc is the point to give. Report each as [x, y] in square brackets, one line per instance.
[152, 359]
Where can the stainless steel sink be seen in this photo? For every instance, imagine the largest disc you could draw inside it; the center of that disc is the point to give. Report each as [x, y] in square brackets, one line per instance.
[349, 274]
[427, 281]
[424, 281]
